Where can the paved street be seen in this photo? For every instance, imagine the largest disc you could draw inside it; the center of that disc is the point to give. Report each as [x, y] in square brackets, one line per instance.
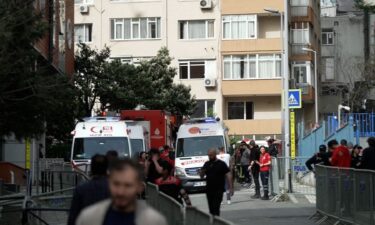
[246, 211]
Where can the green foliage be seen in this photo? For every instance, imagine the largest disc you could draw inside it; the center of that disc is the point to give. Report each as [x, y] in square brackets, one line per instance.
[124, 86]
[30, 91]
[90, 78]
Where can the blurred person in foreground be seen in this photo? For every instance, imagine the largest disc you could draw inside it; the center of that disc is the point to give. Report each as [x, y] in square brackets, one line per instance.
[153, 167]
[215, 171]
[92, 191]
[171, 185]
[264, 164]
[341, 156]
[368, 157]
[125, 183]
[317, 158]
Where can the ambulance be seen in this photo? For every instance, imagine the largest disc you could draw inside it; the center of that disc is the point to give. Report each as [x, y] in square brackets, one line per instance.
[139, 138]
[194, 138]
[98, 135]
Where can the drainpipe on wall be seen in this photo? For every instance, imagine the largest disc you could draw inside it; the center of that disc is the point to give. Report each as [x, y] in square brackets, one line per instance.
[50, 30]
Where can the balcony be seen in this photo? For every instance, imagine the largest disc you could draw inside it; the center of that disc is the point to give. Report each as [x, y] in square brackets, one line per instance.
[245, 127]
[251, 45]
[308, 92]
[256, 87]
[297, 54]
[301, 13]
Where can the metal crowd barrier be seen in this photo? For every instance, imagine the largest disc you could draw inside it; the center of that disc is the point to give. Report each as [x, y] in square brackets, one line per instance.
[301, 181]
[177, 214]
[345, 195]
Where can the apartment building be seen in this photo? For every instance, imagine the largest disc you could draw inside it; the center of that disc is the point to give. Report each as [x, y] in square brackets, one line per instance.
[227, 51]
[304, 27]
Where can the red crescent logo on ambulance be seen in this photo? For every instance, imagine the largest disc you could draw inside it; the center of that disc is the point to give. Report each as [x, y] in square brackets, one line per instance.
[93, 130]
[194, 130]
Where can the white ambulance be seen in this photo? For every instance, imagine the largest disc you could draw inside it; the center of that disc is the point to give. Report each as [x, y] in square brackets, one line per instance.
[98, 135]
[194, 138]
[139, 138]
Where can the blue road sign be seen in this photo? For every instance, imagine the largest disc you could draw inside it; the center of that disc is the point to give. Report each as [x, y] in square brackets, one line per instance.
[295, 99]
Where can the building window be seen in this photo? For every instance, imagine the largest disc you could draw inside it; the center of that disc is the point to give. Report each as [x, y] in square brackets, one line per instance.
[300, 73]
[87, 2]
[327, 36]
[329, 68]
[300, 33]
[240, 111]
[135, 28]
[82, 33]
[196, 29]
[193, 69]
[252, 66]
[204, 108]
[240, 27]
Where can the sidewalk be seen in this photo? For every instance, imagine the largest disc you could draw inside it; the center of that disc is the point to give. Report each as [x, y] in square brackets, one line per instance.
[246, 211]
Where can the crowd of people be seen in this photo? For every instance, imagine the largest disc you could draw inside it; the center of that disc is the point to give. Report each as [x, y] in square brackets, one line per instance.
[344, 155]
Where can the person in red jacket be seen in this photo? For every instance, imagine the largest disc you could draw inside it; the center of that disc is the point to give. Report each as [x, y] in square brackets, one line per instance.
[167, 155]
[341, 156]
[264, 164]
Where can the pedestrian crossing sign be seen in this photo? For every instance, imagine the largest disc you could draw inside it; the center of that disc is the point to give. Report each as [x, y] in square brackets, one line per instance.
[295, 99]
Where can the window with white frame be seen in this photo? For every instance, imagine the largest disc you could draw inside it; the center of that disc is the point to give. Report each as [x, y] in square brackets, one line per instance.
[300, 73]
[300, 33]
[196, 29]
[238, 67]
[197, 69]
[135, 28]
[240, 27]
[240, 110]
[191, 69]
[87, 2]
[204, 108]
[327, 36]
[82, 33]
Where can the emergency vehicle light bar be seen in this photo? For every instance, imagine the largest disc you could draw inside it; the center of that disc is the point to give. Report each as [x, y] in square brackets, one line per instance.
[100, 118]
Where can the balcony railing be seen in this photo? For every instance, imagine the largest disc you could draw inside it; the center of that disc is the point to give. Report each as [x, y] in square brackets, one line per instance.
[299, 2]
[299, 11]
[304, 88]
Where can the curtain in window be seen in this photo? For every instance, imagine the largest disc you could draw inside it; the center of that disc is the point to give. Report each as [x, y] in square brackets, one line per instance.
[144, 28]
[227, 68]
[251, 29]
[127, 29]
[210, 69]
[78, 33]
[226, 32]
[158, 28]
[197, 29]
[119, 27]
[266, 66]
[236, 67]
[210, 29]
[253, 67]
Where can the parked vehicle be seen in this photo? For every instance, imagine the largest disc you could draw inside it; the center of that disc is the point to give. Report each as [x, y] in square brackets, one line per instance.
[98, 135]
[194, 138]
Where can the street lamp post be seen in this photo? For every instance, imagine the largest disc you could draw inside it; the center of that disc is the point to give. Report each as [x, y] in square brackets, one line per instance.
[347, 108]
[285, 79]
[315, 83]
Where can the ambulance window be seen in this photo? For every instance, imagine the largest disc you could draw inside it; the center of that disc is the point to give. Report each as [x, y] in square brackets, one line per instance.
[198, 146]
[85, 148]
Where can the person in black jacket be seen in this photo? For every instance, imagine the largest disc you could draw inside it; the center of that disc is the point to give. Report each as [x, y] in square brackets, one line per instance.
[316, 158]
[368, 157]
[92, 191]
[254, 167]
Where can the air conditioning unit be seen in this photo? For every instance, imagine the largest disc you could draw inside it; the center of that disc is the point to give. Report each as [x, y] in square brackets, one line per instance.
[205, 4]
[83, 9]
[209, 82]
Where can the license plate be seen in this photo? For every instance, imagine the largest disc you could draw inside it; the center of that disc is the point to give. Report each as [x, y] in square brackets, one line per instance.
[200, 184]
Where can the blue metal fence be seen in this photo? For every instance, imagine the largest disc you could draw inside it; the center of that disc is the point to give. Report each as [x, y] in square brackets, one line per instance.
[363, 122]
[309, 144]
